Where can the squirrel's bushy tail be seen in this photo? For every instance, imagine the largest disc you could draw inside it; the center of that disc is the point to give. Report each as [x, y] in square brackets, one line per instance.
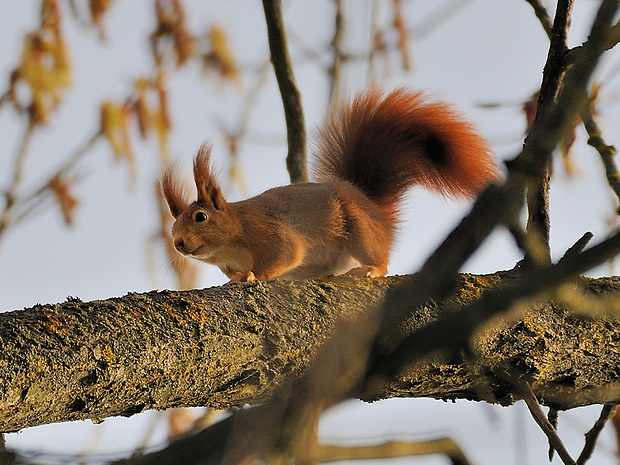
[386, 143]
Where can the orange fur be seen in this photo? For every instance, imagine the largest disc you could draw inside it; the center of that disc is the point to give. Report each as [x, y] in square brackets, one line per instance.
[369, 154]
[384, 144]
[174, 192]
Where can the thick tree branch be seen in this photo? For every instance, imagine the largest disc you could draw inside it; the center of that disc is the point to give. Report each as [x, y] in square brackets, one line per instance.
[231, 345]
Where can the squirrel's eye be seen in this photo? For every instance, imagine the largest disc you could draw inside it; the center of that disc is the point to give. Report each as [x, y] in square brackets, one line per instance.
[199, 217]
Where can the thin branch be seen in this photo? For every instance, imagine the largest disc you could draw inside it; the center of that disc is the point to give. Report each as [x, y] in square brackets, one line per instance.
[538, 249]
[612, 40]
[545, 425]
[402, 31]
[614, 36]
[5, 98]
[552, 417]
[10, 194]
[20, 208]
[593, 434]
[444, 13]
[69, 163]
[543, 16]
[606, 152]
[296, 160]
[538, 224]
[578, 246]
[373, 53]
[233, 136]
[335, 69]
[393, 449]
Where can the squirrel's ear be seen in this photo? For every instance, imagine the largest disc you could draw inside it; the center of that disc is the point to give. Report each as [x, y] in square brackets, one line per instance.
[173, 191]
[206, 184]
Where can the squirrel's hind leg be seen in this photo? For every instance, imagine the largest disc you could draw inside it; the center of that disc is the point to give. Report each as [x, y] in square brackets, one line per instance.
[369, 233]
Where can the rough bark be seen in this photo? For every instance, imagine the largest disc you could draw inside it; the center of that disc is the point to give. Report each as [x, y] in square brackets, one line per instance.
[228, 346]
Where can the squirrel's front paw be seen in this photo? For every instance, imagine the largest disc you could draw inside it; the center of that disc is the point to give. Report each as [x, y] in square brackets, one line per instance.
[366, 271]
[240, 277]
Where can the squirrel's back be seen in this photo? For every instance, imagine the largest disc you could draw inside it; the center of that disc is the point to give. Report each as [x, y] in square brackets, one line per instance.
[386, 143]
[370, 153]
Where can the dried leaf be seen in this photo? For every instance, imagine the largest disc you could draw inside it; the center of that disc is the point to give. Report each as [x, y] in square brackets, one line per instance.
[565, 146]
[142, 108]
[153, 116]
[14, 78]
[50, 15]
[221, 57]
[66, 201]
[62, 64]
[162, 118]
[45, 64]
[569, 138]
[529, 110]
[403, 33]
[115, 127]
[171, 27]
[378, 43]
[162, 94]
[98, 8]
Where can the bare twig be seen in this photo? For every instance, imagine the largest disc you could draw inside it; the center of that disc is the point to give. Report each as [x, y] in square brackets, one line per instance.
[545, 426]
[10, 194]
[606, 152]
[403, 33]
[578, 246]
[73, 158]
[296, 160]
[552, 417]
[543, 16]
[374, 33]
[5, 98]
[28, 203]
[592, 435]
[240, 130]
[394, 449]
[336, 45]
[442, 14]
[614, 36]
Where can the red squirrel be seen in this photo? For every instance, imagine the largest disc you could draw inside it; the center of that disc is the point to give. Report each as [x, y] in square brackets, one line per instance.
[370, 153]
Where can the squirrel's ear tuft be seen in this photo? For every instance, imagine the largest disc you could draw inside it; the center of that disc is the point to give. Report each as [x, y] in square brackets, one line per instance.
[174, 191]
[208, 188]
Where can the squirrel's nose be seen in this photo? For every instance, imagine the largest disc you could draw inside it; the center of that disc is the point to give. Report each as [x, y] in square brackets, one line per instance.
[179, 245]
